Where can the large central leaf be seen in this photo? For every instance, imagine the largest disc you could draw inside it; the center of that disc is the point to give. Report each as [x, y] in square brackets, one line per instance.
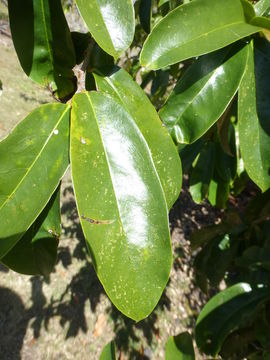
[195, 29]
[121, 203]
[123, 88]
[111, 23]
[33, 158]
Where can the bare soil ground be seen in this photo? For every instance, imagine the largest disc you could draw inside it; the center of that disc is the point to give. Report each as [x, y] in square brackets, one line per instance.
[68, 315]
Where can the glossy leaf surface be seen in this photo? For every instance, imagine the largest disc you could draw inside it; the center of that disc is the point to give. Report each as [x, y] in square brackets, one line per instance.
[180, 347]
[262, 7]
[121, 204]
[176, 38]
[254, 114]
[124, 89]
[111, 23]
[36, 252]
[33, 158]
[200, 97]
[109, 352]
[224, 313]
[43, 43]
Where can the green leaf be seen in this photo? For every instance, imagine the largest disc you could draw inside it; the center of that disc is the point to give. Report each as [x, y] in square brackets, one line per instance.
[261, 21]
[180, 347]
[109, 352]
[111, 23]
[255, 257]
[100, 62]
[121, 203]
[124, 89]
[262, 7]
[36, 252]
[254, 114]
[43, 43]
[226, 312]
[200, 97]
[145, 13]
[214, 259]
[202, 173]
[176, 38]
[33, 158]
[189, 152]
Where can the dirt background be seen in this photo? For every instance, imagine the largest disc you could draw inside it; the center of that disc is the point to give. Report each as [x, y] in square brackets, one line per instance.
[68, 315]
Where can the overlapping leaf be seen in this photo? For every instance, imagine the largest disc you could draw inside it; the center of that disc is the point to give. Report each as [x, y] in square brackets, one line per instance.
[180, 347]
[176, 37]
[43, 43]
[111, 23]
[203, 93]
[254, 114]
[35, 253]
[33, 158]
[224, 313]
[121, 203]
[109, 352]
[125, 90]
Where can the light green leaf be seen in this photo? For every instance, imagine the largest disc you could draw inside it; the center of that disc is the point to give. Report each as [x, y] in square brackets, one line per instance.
[121, 204]
[124, 89]
[200, 97]
[176, 37]
[254, 114]
[109, 352]
[111, 23]
[226, 312]
[180, 347]
[43, 43]
[36, 252]
[33, 158]
[262, 7]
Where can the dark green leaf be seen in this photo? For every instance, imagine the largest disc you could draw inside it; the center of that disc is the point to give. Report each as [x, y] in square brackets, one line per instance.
[36, 252]
[255, 257]
[225, 312]
[200, 97]
[189, 152]
[33, 158]
[109, 352]
[145, 12]
[176, 38]
[80, 42]
[202, 173]
[121, 86]
[43, 43]
[111, 23]
[180, 347]
[121, 203]
[215, 258]
[254, 114]
[100, 62]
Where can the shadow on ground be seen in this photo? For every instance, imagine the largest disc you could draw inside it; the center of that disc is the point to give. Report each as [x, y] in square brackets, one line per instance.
[85, 288]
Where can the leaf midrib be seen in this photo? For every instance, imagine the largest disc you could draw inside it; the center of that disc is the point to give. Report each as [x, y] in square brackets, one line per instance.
[36, 159]
[206, 34]
[46, 30]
